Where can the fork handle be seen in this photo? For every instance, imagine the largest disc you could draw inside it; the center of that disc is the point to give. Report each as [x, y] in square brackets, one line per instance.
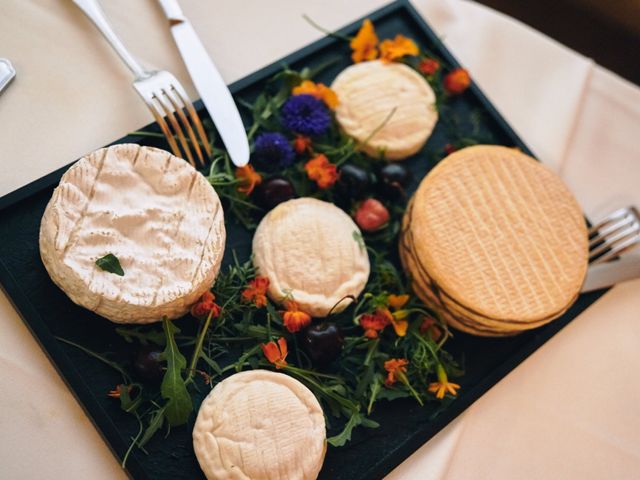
[92, 9]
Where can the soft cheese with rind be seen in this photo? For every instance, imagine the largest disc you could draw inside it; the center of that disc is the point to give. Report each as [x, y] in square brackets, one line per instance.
[312, 251]
[154, 212]
[260, 425]
[369, 92]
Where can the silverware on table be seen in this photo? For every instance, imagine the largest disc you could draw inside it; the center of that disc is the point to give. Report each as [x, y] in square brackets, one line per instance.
[161, 91]
[616, 234]
[209, 83]
[7, 72]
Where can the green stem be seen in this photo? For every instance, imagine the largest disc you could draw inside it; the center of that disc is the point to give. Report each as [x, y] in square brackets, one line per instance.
[324, 30]
[198, 349]
[113, 365]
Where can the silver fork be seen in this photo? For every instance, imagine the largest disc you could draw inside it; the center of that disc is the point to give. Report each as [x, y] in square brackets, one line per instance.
[161, 92]
[617, 233]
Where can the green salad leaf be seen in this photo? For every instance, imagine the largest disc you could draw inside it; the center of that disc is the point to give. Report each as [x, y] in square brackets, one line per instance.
[173, 387]
[110, 263]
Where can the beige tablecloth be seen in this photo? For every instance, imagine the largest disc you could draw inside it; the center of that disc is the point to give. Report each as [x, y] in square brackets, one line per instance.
[572, 410]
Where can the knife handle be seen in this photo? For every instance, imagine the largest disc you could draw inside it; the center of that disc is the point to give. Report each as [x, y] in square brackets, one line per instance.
[172, 11]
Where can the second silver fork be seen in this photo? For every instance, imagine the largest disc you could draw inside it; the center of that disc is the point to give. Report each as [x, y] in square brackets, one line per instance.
[162, 93]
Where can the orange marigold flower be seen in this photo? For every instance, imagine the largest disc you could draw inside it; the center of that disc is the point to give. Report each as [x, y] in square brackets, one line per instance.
[364, 44]
[397, 301]
[428, 66]
[374, 323]
[302, 144]
[430, 327]
[322, 171]
[319, 91]
[249, 179]
[256, 291]
[276, 353]
[457, 81]
[205, 306]
[397, 48]
[443, 385]
[396, 369]
[294, 318]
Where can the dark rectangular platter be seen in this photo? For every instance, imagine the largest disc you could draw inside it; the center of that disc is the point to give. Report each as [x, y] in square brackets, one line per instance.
[373, 452]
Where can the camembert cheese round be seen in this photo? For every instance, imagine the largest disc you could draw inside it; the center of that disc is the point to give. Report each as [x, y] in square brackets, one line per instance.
[154, 212]
[388, 108]
[312, 252]
[260, 425]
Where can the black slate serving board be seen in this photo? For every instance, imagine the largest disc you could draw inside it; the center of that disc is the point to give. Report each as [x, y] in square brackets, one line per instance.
[372, 453]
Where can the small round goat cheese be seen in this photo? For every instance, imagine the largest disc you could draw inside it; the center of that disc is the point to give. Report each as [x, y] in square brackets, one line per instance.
[154, 212]
[311, 251]
[388, 108]
[260, 425]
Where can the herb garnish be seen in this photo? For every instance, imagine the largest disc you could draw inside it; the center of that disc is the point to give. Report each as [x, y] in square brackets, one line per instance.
[110, 263]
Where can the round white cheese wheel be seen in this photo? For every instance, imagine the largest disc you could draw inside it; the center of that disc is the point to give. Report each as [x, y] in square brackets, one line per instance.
[154, 212]
[260, 425]
[369, 91]
[311, 251]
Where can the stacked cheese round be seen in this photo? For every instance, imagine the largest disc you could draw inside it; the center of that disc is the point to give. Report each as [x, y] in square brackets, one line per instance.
[494, 241]
[260, 425]
[312, 253]
[387, 107]
[154, 212]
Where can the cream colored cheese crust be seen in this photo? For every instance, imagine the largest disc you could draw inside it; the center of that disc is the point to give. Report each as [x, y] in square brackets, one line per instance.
[369, 91]
[153, 211]
[260, 425]
[309, 249]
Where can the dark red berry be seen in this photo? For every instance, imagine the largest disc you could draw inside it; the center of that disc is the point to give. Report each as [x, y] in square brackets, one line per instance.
[274, 191]
[324, 343]
[394, 178]
[147, 364]
[354, 182]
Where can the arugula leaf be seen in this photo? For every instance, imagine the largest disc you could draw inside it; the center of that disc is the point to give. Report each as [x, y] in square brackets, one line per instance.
[173, 388]
[356, 419]
[157, 419]
[110, 263]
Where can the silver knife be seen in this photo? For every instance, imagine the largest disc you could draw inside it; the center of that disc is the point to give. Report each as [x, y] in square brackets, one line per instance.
[607, 274]
[209, 83]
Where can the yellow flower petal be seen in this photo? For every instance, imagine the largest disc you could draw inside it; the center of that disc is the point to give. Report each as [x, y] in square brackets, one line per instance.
[400, 326]
[398, 301]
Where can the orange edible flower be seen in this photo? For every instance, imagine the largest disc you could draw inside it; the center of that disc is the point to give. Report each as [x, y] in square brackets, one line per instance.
[117, 392]
[319, 91]
[374, 323]
[396, 369]
[294, 318]
[457, 81]
[302, 144]
[397, 48]
[364, 44]
[430, 327]
[256, 291]
[397, 301]
[249, 178]
[276, 353]
[322, 171]
[428, 66]
[442, 386]
[206, 306]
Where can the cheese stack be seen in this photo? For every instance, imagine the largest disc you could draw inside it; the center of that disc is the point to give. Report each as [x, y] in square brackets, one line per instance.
[495, 242]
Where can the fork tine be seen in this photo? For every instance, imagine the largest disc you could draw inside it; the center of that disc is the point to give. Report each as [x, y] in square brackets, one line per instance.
[179, 109]
[610, 229]
[184, 98]
[629, 244]
[175, 125]
[610, 242]
[163, 126]
[615, 216]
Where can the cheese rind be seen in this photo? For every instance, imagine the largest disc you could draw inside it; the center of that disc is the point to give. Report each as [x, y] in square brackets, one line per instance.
[154, 212]
[311, 251]
[260, 425]
[386, 107]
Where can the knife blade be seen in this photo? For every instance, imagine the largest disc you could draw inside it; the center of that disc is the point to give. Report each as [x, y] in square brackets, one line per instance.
[607, 274]
[209, 83]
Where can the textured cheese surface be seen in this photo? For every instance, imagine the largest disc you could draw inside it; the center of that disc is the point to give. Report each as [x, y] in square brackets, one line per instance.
[309, 249]
[153, 211]
[369, 92]
[500, 234]
[260, 425]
